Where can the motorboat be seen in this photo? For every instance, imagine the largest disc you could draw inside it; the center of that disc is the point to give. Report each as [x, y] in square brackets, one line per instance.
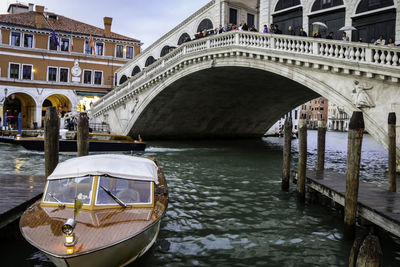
[98, 142]
[98, 210]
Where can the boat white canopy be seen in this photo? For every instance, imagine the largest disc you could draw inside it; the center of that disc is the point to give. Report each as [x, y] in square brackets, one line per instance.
[120, 166]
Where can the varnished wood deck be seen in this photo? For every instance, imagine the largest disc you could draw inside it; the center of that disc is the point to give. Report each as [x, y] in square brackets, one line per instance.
[17, 193]
[96, 230]
[377, 205]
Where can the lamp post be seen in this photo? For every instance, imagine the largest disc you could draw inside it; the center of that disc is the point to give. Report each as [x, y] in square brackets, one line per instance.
[5, 109]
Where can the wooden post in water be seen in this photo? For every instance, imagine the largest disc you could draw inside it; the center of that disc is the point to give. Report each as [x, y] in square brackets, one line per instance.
[287, 145]
[51, 136]
[392, 151]
[355, 135]
[321, 145]
[370, 253]
[82, 135]
[302, 165]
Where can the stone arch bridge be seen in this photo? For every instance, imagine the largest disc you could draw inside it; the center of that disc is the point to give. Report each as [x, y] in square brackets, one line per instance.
[237, 84]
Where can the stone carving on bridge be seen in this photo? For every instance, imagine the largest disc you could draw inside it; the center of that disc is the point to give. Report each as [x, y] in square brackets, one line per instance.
[360, 97]
[135, 105]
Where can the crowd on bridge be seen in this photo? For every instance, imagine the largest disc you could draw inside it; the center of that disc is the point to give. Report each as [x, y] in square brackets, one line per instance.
[274, 28]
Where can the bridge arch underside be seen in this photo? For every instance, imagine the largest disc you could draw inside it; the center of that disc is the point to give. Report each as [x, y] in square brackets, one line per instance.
[220, 102]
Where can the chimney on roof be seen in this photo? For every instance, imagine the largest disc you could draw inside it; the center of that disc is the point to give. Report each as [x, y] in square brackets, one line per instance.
[30, 7]
[107, 26]
[39, 17]
[17, 8]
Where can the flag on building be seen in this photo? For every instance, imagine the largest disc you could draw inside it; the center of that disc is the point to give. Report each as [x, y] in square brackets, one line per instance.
[71, 42]
[91, 43]
[54, 39]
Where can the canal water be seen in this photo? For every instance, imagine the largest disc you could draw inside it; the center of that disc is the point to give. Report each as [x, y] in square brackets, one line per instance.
[226, 207]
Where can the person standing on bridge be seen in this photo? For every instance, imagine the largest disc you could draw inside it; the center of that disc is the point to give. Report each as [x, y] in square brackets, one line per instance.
[345, 37]
[302, 32]
[276, 29]
[291, 31]
[265, 29]
[380, 41]
[317, 34]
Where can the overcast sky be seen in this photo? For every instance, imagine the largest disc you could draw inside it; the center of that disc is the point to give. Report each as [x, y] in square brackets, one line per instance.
[146, 20]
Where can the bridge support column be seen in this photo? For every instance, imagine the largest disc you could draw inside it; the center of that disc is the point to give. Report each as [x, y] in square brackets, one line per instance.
[264, 14]
[38, 116]
[302, 165]
[392, 151]
[321, 145]
[355, 136]
[287, 145]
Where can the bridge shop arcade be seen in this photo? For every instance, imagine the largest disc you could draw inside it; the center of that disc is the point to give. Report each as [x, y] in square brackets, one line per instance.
[370, 18]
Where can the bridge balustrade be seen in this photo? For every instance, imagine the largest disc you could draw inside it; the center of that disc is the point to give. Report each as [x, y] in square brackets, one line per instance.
[339, 50]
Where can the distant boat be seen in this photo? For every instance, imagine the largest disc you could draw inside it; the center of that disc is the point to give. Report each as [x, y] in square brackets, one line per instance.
[97, 142]
[100, 210]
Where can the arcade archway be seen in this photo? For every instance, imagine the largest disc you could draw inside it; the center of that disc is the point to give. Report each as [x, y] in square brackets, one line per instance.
[61, 102]
[19, 103]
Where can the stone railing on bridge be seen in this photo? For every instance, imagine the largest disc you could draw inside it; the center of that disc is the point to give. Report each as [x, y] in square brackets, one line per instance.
[331, 55]
[147, 52]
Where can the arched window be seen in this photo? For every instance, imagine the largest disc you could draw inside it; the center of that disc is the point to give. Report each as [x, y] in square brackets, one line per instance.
[367, 5]
[205, 24]
[164, 51]
[324, 4]
[150, 60]
[334, 19]
[292, 17]
[135, 70]
[123, 79]
[373, 24]
[283, 4]
[182, 38]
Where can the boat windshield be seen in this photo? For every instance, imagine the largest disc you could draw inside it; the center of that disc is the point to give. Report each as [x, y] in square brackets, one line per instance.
[128, 191]
[67, 190]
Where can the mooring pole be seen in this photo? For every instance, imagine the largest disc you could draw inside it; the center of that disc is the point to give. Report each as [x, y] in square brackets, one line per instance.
[355, 136]
[302, 165]
[51, 136]
[82, 135]
[287, 145]
[392, 151]
[321, 145]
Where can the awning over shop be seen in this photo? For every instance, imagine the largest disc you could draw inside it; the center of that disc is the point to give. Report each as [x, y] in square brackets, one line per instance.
[86, 93]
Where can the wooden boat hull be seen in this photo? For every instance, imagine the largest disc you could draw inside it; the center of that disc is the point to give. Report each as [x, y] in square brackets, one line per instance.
[120, 254]
[94, 146]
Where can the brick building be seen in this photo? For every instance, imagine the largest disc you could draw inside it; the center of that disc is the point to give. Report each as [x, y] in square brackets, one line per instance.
[47, 59]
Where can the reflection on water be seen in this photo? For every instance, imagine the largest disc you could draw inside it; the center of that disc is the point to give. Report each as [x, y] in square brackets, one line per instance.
[18, 164]
[226, 207]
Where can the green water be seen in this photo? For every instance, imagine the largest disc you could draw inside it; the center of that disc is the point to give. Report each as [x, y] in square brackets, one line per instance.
[226, 207]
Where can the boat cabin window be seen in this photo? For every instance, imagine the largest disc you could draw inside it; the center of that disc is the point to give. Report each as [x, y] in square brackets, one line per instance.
[66, 190]
[128, 191]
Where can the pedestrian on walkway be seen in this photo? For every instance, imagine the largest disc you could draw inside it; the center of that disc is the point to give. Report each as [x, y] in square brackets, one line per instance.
[345, 37]
[330, 36]
[380, 41]
[291, 31]
[302, 32]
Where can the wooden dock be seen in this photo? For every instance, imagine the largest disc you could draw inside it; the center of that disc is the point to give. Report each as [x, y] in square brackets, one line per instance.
[18, 192]
[376, 205]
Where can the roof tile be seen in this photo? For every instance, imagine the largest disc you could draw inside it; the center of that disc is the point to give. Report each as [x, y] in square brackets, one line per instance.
[63, 24]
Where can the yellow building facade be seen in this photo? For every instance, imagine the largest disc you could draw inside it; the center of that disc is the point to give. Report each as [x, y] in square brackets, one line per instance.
[50, 60]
